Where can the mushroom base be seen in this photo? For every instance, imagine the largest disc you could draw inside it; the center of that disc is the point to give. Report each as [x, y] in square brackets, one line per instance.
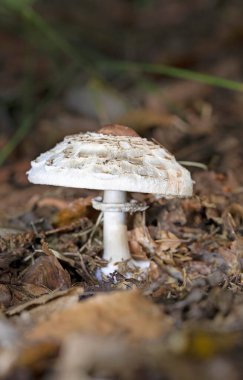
[139, 269]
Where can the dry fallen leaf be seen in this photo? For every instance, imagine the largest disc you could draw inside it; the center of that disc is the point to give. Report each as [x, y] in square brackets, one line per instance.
[47, 272]
[40, 308]
[127, 314]
[34, 356]
[141, 243]
[137, 250]
[168, 242]
[5, 295]
[20, 293]
[73, 211]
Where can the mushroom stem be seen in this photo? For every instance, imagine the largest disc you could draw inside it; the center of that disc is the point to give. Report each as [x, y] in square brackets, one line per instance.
[115, 230]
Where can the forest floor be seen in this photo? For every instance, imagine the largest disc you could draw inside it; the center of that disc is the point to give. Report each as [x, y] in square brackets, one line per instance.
[57, 321]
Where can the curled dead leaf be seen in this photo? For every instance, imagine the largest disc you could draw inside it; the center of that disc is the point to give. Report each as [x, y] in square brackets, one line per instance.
[48, 272]
[141, 243]
[137, 250]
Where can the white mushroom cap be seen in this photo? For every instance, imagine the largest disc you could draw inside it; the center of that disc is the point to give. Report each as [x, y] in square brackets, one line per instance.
[106, 162]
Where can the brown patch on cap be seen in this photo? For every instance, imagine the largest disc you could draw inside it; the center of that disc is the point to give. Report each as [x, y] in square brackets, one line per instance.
[117, 130]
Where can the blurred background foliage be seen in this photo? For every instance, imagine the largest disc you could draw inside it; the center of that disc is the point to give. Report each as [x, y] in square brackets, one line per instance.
[67, 67]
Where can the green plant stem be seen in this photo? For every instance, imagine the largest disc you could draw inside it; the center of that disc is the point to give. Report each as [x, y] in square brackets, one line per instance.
[173, 72]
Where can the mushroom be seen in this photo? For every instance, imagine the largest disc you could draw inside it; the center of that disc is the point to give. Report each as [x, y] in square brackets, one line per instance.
[116, 160]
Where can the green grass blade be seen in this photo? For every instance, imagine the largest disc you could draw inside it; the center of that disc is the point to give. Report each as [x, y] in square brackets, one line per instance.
[173, 72]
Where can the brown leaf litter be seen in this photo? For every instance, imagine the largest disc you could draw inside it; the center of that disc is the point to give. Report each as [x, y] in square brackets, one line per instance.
[123, 314]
